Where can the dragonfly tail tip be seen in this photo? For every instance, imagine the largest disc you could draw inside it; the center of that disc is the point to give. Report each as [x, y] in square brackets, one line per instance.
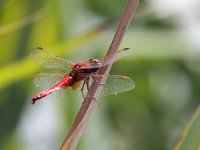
[33, 100]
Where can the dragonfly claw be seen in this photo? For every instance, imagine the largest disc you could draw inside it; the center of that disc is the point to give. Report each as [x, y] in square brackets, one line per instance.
[34, 100]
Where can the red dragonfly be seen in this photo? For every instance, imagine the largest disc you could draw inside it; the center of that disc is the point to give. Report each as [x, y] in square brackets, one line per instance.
[83, 71]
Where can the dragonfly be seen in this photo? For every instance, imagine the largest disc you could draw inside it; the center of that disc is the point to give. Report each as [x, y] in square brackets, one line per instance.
[78, 76]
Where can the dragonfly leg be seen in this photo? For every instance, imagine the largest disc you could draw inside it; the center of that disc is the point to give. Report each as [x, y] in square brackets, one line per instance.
[87, 84]
[93, 77]
[86, 81]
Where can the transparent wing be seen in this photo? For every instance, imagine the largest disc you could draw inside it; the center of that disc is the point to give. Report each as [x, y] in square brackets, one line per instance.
[47, 59]
[108, 60]
[113, 85]
[47, 80]
[121, 53]
[117, 84]
[57, 92]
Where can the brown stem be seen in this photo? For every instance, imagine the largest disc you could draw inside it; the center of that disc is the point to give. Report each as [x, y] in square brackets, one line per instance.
[79, 124]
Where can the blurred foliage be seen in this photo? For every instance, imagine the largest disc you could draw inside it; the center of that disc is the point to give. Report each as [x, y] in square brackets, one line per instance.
[106, 8]
[191, 135]
[144, 17]
[152, 116]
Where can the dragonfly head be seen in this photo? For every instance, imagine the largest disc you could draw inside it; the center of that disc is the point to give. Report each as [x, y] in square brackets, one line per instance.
[87, 67]
[94, 63]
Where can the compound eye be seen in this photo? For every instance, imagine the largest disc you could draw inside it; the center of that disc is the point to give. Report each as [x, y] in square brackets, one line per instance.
[76, 66]
[92, 60]
[95, 60]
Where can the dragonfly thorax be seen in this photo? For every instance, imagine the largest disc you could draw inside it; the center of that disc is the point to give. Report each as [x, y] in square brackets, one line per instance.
[83, 69]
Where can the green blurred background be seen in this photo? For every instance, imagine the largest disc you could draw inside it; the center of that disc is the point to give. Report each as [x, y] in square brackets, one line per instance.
[164, 64]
